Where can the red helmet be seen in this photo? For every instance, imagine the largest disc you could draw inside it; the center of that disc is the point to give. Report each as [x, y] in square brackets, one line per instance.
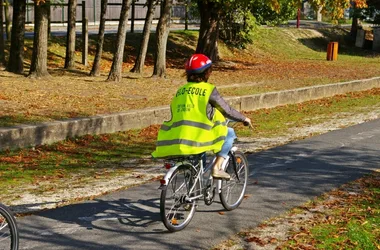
[197, 64]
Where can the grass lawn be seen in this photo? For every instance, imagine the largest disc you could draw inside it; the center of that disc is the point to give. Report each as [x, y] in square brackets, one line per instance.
[279, 58]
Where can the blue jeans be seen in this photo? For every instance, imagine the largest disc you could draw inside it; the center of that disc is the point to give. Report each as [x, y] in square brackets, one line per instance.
[231, 136]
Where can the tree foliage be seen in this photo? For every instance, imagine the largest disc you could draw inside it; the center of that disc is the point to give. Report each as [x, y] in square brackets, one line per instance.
[333, 8]
[370, 14]
[274, 14]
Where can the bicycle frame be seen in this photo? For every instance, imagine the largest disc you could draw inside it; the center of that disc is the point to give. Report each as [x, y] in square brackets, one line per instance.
[200, 170]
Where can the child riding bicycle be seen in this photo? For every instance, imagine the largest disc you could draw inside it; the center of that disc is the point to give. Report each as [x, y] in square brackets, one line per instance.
[198, 122]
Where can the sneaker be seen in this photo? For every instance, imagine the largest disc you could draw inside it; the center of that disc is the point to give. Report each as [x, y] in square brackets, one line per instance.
[220, 174]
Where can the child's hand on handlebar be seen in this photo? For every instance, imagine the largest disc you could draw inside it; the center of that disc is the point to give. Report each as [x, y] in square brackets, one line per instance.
[247, 122]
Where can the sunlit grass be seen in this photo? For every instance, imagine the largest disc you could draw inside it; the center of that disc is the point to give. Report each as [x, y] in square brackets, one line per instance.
[277, 121]
[353, 223]
[278, 59]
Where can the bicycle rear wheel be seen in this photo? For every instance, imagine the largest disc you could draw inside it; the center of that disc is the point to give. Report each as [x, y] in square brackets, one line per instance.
[8, 229]
[175, 207]
[233, 190]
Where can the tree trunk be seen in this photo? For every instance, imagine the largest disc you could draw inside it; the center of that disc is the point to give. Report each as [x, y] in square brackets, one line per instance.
[7, 20]
[70, 39]
[16, 53]
[162, 33]
[140, 60]
[355, 21]
[2, 56]
[209, 29]
[38, 67]
[95, 71]
[354, 26]
[117, 63]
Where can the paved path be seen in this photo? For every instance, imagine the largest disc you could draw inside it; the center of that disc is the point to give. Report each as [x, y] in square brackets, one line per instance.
[281, 178]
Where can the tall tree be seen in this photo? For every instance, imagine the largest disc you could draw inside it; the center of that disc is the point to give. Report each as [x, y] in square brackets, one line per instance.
[16, 53]
[2, 56]
[70, 39]
[162, 33]
[210, 12]
[140, 60]
[355, 20]
[38, 67]
[117, 63]
[95, 71]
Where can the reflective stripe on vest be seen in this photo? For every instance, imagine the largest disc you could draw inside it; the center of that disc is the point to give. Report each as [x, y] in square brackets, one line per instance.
[190, 143]
[190, 131]
[191, 123]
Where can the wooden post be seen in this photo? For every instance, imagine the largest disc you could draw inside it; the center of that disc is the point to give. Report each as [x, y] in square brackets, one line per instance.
[332, 51]
[133, 16]
[63, 14]
[94, 8]
[84, 35]
[298, 17]
[49, 22]
[27, 11]
[2, 43]
[187, 15]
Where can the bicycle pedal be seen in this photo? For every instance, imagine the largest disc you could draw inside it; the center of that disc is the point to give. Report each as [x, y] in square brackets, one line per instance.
[222, 178]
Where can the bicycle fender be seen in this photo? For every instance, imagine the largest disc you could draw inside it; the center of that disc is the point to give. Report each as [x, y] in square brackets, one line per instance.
[170, 172]
[167, 177]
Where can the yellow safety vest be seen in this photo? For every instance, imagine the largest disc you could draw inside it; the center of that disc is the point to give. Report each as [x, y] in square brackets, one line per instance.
[190, 131]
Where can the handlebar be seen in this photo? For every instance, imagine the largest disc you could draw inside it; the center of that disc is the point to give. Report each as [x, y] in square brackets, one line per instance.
[247, 124]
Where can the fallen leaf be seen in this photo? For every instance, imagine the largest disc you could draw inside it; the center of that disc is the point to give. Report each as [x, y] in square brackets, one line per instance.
[257, 240]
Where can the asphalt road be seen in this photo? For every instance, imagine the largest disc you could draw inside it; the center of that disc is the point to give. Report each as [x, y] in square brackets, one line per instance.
[280, 178]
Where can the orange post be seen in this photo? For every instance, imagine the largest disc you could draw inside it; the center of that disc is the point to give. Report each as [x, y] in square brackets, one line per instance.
[332, 51]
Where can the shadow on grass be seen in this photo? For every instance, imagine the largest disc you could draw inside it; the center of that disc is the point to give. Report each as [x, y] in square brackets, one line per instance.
[86, 155]
[181, 44]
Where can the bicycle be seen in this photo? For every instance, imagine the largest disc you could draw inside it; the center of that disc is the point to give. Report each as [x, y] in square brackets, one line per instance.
[9, 237]
[188, 180]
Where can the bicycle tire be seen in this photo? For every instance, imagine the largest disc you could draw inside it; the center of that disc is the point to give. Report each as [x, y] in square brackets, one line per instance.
[9, 237]
[233, 190]
[175, 212]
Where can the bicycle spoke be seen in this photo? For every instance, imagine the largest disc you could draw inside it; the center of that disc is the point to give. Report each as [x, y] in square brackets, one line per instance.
[3, 226]
[176, 208]
[233, 190]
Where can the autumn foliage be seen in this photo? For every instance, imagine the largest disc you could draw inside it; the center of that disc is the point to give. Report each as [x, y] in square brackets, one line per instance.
[335, 8]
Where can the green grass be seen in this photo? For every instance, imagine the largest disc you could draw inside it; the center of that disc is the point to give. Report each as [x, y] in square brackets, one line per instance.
[352, 224]
[278, 121]
[80, 156]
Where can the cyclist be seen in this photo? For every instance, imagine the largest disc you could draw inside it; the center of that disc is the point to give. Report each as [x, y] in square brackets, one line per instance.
[197, 121]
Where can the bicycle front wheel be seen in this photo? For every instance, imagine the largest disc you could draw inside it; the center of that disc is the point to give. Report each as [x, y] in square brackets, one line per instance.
[233, 190]
[176, 208]
[8, 229]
